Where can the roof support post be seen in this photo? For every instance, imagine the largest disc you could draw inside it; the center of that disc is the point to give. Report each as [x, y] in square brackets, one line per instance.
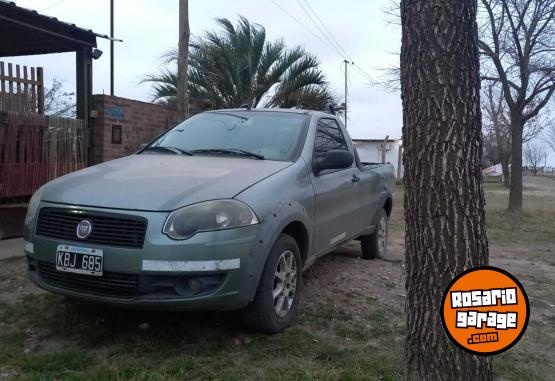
[84, 97]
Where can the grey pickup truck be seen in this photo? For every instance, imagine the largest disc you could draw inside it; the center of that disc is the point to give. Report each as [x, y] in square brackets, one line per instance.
[223, 211]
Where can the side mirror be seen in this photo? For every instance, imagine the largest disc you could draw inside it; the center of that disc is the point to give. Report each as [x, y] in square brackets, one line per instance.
[335, 159]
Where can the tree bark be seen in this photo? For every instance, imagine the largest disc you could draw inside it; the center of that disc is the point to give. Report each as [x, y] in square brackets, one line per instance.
[506, 173]
[515, 190]
[502, 138]
[183, 61]
[444, 201]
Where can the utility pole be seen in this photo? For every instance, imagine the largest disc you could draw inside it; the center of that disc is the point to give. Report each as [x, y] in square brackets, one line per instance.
[183, 61]
[346, 90]
[112, 47]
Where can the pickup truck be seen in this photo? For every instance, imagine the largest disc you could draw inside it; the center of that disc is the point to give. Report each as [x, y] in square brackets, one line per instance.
[223, 211]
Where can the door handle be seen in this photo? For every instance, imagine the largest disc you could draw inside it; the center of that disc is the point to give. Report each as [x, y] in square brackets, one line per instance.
[355, 179]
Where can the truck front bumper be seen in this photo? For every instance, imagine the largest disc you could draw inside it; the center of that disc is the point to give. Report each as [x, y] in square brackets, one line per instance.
[209, 271]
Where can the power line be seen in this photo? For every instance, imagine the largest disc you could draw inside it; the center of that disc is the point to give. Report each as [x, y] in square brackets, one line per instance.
[53, 5]
[315, 23]
[333, 42]
[299, 22]
[363, 73]
[346, 90]
[327, 30]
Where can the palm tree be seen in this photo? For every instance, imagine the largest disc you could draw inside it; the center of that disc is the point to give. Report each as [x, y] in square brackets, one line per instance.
[238, 66]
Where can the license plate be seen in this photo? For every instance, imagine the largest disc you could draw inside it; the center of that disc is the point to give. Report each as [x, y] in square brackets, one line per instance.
[80, 260]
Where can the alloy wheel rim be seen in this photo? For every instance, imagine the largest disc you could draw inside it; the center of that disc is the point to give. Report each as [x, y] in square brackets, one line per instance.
[285, 283]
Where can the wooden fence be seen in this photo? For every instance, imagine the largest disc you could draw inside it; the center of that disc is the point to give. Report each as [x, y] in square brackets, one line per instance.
[35, 149]
[21, 88]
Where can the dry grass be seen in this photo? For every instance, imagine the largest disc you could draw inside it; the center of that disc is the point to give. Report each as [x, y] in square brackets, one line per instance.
[350, 326]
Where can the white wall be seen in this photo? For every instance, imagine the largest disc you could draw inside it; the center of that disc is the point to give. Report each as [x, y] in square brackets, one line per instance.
[371, 151]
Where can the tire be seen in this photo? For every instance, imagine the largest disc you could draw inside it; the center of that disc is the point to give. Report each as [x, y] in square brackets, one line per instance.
[264, 313]
[375, 245]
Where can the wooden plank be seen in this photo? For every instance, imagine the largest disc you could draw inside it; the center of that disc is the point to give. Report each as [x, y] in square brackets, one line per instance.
[3, 133]
[33, 91]
[10, 206]
[20, 91]
[2, 88]
[40, 91]
[18, 97]
[26, 98]
[34, 153]
[16, 79]
[10, 87]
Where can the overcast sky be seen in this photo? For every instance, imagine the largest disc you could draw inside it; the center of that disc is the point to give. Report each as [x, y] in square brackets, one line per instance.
[150, 27]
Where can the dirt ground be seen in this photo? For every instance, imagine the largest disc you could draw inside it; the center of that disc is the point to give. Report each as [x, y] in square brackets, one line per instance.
[350, 324]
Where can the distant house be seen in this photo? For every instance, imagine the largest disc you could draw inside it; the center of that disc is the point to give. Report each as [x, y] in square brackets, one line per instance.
[371, 150]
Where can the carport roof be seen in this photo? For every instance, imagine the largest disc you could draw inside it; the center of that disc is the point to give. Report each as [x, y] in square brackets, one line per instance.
[26, 32]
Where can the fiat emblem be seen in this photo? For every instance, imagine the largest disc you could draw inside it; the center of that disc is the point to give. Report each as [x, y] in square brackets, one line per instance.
[84, 229]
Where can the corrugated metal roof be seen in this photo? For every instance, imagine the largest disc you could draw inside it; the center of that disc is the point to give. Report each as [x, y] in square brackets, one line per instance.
[50, 17]
[54, 19]
[25, 31]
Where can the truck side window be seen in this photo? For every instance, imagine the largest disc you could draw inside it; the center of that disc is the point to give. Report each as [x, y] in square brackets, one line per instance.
[328, 137]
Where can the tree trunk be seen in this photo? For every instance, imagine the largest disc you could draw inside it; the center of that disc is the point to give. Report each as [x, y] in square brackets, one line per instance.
[183, 61]
[515, 192]
[444, 201]
[506, 172]
[504, 152]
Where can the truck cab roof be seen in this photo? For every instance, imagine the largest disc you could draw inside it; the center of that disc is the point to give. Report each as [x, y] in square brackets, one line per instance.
[283, 110]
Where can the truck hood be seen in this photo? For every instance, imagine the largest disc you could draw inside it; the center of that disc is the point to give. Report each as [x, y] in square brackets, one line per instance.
[153, 182]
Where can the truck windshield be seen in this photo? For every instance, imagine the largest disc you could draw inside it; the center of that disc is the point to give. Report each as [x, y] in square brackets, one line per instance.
[268, 135]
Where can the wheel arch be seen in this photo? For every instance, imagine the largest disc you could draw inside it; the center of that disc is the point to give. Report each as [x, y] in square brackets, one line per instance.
[385, 202]
[299, 232]
[289, 217]
[388, 205]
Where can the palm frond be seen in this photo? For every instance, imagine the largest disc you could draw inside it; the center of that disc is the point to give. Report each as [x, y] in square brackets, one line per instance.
[237, 64]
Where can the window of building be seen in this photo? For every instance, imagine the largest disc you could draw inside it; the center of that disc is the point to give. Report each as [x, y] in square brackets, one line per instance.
[116, 134]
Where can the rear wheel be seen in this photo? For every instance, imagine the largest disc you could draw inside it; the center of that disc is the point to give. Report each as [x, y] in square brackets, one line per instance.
[375, 245]
[277, 297]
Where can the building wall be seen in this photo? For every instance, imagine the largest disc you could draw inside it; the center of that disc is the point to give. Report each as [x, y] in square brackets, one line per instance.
[371, 151]
[138, 121]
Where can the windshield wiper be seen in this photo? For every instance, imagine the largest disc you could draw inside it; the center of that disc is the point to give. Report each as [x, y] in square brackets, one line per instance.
[230, 114]
[231, 151]
[177, 151]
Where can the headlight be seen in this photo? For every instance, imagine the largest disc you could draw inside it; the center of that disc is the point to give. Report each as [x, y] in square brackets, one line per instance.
[33, 206]
[206, 216]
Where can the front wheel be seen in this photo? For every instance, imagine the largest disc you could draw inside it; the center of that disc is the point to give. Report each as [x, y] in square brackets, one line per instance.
[277, 297]
[375, 245]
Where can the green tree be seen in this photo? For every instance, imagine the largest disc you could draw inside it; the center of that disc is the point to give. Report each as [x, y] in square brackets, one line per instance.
[237, 65]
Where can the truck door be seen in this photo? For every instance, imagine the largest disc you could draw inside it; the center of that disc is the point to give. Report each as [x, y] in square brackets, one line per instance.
[336, 193]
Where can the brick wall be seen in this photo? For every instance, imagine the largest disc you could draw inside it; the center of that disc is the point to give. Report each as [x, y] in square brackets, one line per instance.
[139, 122]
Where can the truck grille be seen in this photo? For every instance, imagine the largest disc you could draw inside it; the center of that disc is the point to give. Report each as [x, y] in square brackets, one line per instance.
[107, 229]
[113, 285]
